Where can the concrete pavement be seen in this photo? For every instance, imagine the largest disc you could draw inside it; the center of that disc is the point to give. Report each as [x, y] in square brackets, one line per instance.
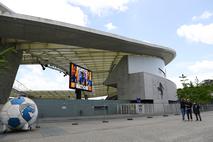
[140, 129]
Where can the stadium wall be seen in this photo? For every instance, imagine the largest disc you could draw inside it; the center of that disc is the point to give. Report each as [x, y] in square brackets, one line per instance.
[72, 108]
[142, 77]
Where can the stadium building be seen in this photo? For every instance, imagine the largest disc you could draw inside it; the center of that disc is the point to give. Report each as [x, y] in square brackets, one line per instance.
[123, 67]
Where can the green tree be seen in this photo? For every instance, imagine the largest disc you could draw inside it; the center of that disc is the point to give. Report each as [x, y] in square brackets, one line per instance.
[196, 81]
[200, 93]
[183, 80]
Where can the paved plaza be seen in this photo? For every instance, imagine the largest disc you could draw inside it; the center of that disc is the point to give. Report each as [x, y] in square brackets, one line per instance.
[140, 129]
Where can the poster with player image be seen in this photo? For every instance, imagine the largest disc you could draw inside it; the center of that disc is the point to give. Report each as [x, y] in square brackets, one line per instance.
[80, 78]
[73, 74]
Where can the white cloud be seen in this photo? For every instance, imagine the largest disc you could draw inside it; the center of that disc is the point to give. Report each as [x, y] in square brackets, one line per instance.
[197, 33]
[110, 26]
[202, 69]
[204, 15]
[58, 10]
[191, 77]
[34, 78]
[202, 66]
[100, 6]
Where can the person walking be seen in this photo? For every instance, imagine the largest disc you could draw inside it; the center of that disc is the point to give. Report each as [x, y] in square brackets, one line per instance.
[196, 110]
[183, 108]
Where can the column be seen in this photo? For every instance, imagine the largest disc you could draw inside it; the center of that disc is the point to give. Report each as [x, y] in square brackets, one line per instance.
[8, 71]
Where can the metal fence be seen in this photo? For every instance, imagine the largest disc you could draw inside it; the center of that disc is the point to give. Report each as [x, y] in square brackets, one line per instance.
[207, 107]
[149, 109]
[155, 109]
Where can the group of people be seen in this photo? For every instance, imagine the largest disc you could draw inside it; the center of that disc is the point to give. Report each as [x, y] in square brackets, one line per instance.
[186, 109]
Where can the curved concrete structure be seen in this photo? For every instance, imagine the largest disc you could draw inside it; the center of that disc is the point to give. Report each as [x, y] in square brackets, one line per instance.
[34, 29]
[148, 64]
[56, 44]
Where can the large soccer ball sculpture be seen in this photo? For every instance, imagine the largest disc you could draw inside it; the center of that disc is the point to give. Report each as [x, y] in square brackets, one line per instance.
[19, 114]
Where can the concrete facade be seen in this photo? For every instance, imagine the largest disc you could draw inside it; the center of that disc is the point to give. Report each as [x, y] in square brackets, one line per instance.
[148, 64]
[143, 85]
[8, 74]
[152, 88]
[45, 41]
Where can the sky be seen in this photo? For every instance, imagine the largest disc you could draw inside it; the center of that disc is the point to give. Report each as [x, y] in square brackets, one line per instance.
[185, 26]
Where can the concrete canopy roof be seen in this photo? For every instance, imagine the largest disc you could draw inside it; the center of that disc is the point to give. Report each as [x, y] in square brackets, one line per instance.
[56, 43]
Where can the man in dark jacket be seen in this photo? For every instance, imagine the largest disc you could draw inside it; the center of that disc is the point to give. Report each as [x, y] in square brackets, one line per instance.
[189, 110]
[196, 110]
[183, 108]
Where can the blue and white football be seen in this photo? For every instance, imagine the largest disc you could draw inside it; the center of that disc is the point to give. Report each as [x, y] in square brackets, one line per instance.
[18, 112]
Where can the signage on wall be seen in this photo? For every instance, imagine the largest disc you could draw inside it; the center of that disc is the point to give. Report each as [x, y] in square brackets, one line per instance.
[161, 89]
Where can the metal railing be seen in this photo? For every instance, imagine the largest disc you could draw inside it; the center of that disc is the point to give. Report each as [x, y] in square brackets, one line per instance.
[149, 109]
[206, 107]
[155, 109]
